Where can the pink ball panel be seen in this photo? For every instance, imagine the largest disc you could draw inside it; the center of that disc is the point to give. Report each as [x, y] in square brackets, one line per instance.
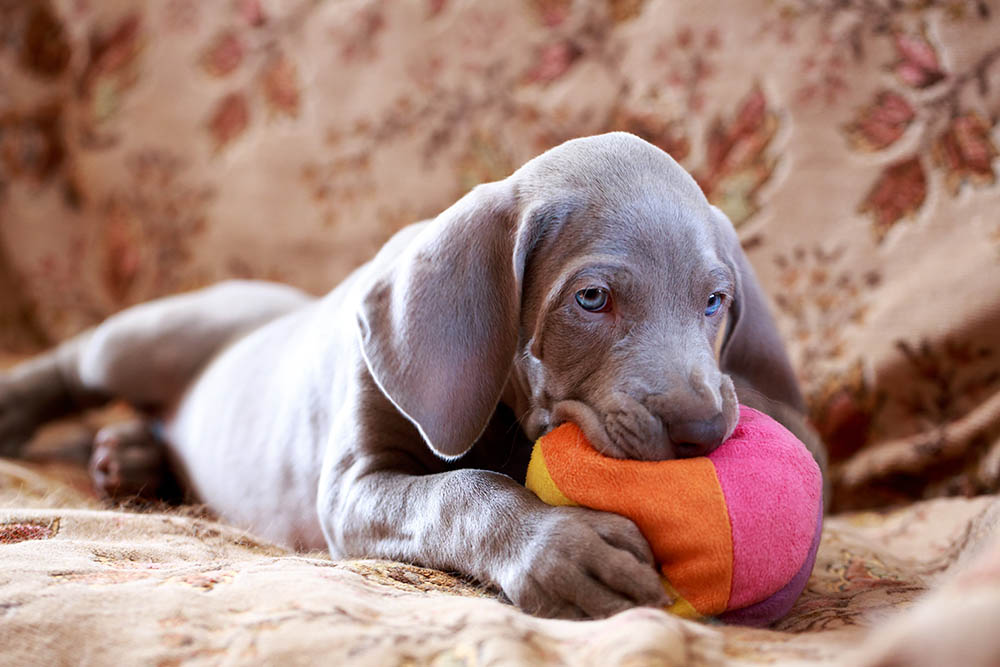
[773, 490]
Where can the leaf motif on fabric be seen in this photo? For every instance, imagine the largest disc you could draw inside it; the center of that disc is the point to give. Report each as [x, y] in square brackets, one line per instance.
[483, 160]
[688, 62]
[664, 133]
[252, 12]
[149, 224]
[625, 10]
[122, 251]
[880, 124]
[946, 377]
[229, 120]
[113, 66]
[357, 36]
[552, 12]
[899, 192]
[182, 15]
[33, 144]
[821, 300]
[959, 139]
[843, 409]
[206, 581]
[45, 51]
[279, 81]
[553, 61]
[918, 65]
[223, 55]
[22, 531]
[965, 151]
[737, 160]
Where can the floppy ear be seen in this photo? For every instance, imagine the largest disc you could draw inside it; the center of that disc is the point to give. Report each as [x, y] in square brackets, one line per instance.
[439, 326]
[752, 349]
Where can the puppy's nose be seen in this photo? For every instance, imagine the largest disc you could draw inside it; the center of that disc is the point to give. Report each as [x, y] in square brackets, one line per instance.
[697, 437]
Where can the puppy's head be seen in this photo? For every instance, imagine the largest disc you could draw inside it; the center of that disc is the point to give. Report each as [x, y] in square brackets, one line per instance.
[592, 284]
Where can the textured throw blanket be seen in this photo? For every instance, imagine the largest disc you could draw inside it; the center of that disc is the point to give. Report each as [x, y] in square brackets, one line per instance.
[80, 585]
[148, 147]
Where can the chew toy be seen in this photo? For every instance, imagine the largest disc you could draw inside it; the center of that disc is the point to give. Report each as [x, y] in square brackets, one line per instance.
[734, 533]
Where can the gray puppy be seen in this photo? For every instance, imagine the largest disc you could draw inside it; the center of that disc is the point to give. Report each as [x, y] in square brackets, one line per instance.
[392, 418]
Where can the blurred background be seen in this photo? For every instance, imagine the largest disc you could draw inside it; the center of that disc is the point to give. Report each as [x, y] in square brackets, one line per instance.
[152, 147]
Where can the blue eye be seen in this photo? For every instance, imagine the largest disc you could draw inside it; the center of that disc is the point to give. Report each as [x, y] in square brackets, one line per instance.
[714, 303]
[593, 299]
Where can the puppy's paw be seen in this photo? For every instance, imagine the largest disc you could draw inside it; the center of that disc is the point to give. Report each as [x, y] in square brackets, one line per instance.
[581, 563]
[129, 463]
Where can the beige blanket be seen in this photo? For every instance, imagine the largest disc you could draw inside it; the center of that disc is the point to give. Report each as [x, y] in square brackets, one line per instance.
[80, 585]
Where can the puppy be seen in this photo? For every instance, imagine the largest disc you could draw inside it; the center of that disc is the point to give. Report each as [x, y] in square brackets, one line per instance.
[393, 417]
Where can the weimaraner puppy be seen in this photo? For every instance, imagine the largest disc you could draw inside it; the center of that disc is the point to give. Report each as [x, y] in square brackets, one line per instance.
[393, 417]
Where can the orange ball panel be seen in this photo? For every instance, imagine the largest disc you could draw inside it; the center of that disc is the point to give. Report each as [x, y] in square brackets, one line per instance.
[665, 499]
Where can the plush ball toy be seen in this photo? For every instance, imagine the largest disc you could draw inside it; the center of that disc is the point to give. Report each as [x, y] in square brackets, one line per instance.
[734, 533]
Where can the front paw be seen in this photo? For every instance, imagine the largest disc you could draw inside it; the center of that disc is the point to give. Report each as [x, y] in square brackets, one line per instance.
[582, 563]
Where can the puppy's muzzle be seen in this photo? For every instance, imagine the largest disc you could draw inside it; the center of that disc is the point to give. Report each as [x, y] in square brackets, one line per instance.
[692, 419]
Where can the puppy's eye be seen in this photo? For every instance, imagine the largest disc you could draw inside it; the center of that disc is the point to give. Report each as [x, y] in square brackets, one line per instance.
[715, 301]
[594, 299]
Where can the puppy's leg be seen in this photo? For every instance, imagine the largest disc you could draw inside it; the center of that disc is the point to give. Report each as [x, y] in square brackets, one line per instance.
[39, 390]
[566, 562]
[383, 494]
[145, 355]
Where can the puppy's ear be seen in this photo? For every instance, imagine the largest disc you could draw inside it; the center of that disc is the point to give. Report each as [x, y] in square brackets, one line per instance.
[439, 326]
[752, 349]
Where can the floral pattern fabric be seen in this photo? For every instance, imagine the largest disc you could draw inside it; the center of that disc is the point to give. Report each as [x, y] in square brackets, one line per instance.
[152, 147]
[108, 587]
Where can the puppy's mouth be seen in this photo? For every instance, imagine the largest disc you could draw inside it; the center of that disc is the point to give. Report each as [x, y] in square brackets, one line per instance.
[593, 427]
[634, 429]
